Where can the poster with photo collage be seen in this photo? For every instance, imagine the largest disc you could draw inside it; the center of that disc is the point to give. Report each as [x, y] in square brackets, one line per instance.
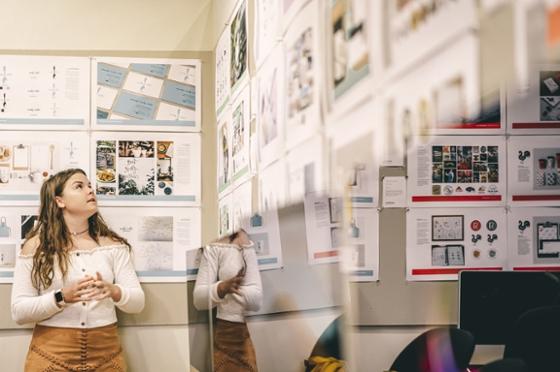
[454, 171]
[440, 242]
[534, 239]
[160, 239]
[26, 161]
[15, 224]
[44, 92]
[534, 170]
[146, 94]
[146, 168]
[303, 75]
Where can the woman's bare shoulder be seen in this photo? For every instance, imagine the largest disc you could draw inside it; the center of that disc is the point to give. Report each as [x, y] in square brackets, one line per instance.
[30, 246]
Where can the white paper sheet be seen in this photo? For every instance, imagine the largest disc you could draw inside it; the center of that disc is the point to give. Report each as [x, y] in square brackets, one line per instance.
[223, 156]
[394, 192]
[44, 92]
[160, 238]
[267, 29]
[534, 170]
[306, 170]
[272, 186]
[440, 242]
[146, 169]
[240, 136]
[15, 223]
[323, 227]
[225, 215]
[264, 231]
[242, 204]
[222, 71]
[26, 161]
[534, 238]
[453, 171]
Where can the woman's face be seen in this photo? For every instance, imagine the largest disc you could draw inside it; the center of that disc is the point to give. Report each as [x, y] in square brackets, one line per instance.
[77, 196]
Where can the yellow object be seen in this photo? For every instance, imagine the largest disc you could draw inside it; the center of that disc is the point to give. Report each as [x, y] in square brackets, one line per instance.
[326, 364]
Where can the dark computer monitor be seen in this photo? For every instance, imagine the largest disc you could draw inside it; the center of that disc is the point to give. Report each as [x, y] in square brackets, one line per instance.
[491, 302]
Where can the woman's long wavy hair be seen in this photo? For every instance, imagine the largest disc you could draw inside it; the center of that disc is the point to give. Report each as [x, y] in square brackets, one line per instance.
[54, 236]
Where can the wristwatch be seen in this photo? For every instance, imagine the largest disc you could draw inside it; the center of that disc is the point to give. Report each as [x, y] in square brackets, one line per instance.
[59, 298]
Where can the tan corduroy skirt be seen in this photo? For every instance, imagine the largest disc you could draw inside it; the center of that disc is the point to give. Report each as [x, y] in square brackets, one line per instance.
[71, 349]
[233, 348]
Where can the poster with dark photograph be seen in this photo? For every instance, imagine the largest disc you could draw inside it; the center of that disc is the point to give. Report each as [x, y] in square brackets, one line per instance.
[146, 168]
[238, 40]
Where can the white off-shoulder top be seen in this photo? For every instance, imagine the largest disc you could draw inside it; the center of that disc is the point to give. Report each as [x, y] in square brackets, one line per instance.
[113, 262]
[221, 262]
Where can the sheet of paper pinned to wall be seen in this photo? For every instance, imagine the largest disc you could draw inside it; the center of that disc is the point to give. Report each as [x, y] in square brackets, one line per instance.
[394, 192]
[323, 227]
[264, 231]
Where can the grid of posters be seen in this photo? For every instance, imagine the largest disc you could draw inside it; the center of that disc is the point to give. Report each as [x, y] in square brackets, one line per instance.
[264, 231]
[238, 47]
[160, 238]
[306, 170]
[535, 108]
[359, 249]
[15, 224]
[454, 171]
[146, 168]
[440, 242]
[270, 108]
[323, 227]
[40, 92]
[146, 94]
[534, 239]
[267, 28]
[303, 80]
[28, 160]
[534, 170]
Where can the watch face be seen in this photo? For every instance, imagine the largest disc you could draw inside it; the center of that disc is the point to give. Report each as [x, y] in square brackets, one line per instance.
[58, 296]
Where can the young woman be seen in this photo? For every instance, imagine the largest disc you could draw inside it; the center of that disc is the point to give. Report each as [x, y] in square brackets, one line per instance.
[71, 274]
[228, 277]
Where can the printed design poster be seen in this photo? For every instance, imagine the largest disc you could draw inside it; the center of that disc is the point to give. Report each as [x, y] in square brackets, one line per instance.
[359, 249]
[323, 227]
[355, 171]
[238, 46]
[267, 28]
[535, 108]
[146, 168]
[441, 96]
[270, 108]
[272, 186]
[160, 239]
[264, 231]
[534, 239]
[453, 171]
[15, 224]
[413, 23]
[224, 157]
[306, 170]
[240, 135]
[534, 170]
[348, 38]
[225, 215]
[440, 242]
[303, 80]
[44, 92]
[241, 204]
[222, 71]
[28, 160]
[146, 94]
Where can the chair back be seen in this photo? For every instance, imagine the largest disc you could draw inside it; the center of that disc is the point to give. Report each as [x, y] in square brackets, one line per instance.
[436, 350]
[535, 338]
